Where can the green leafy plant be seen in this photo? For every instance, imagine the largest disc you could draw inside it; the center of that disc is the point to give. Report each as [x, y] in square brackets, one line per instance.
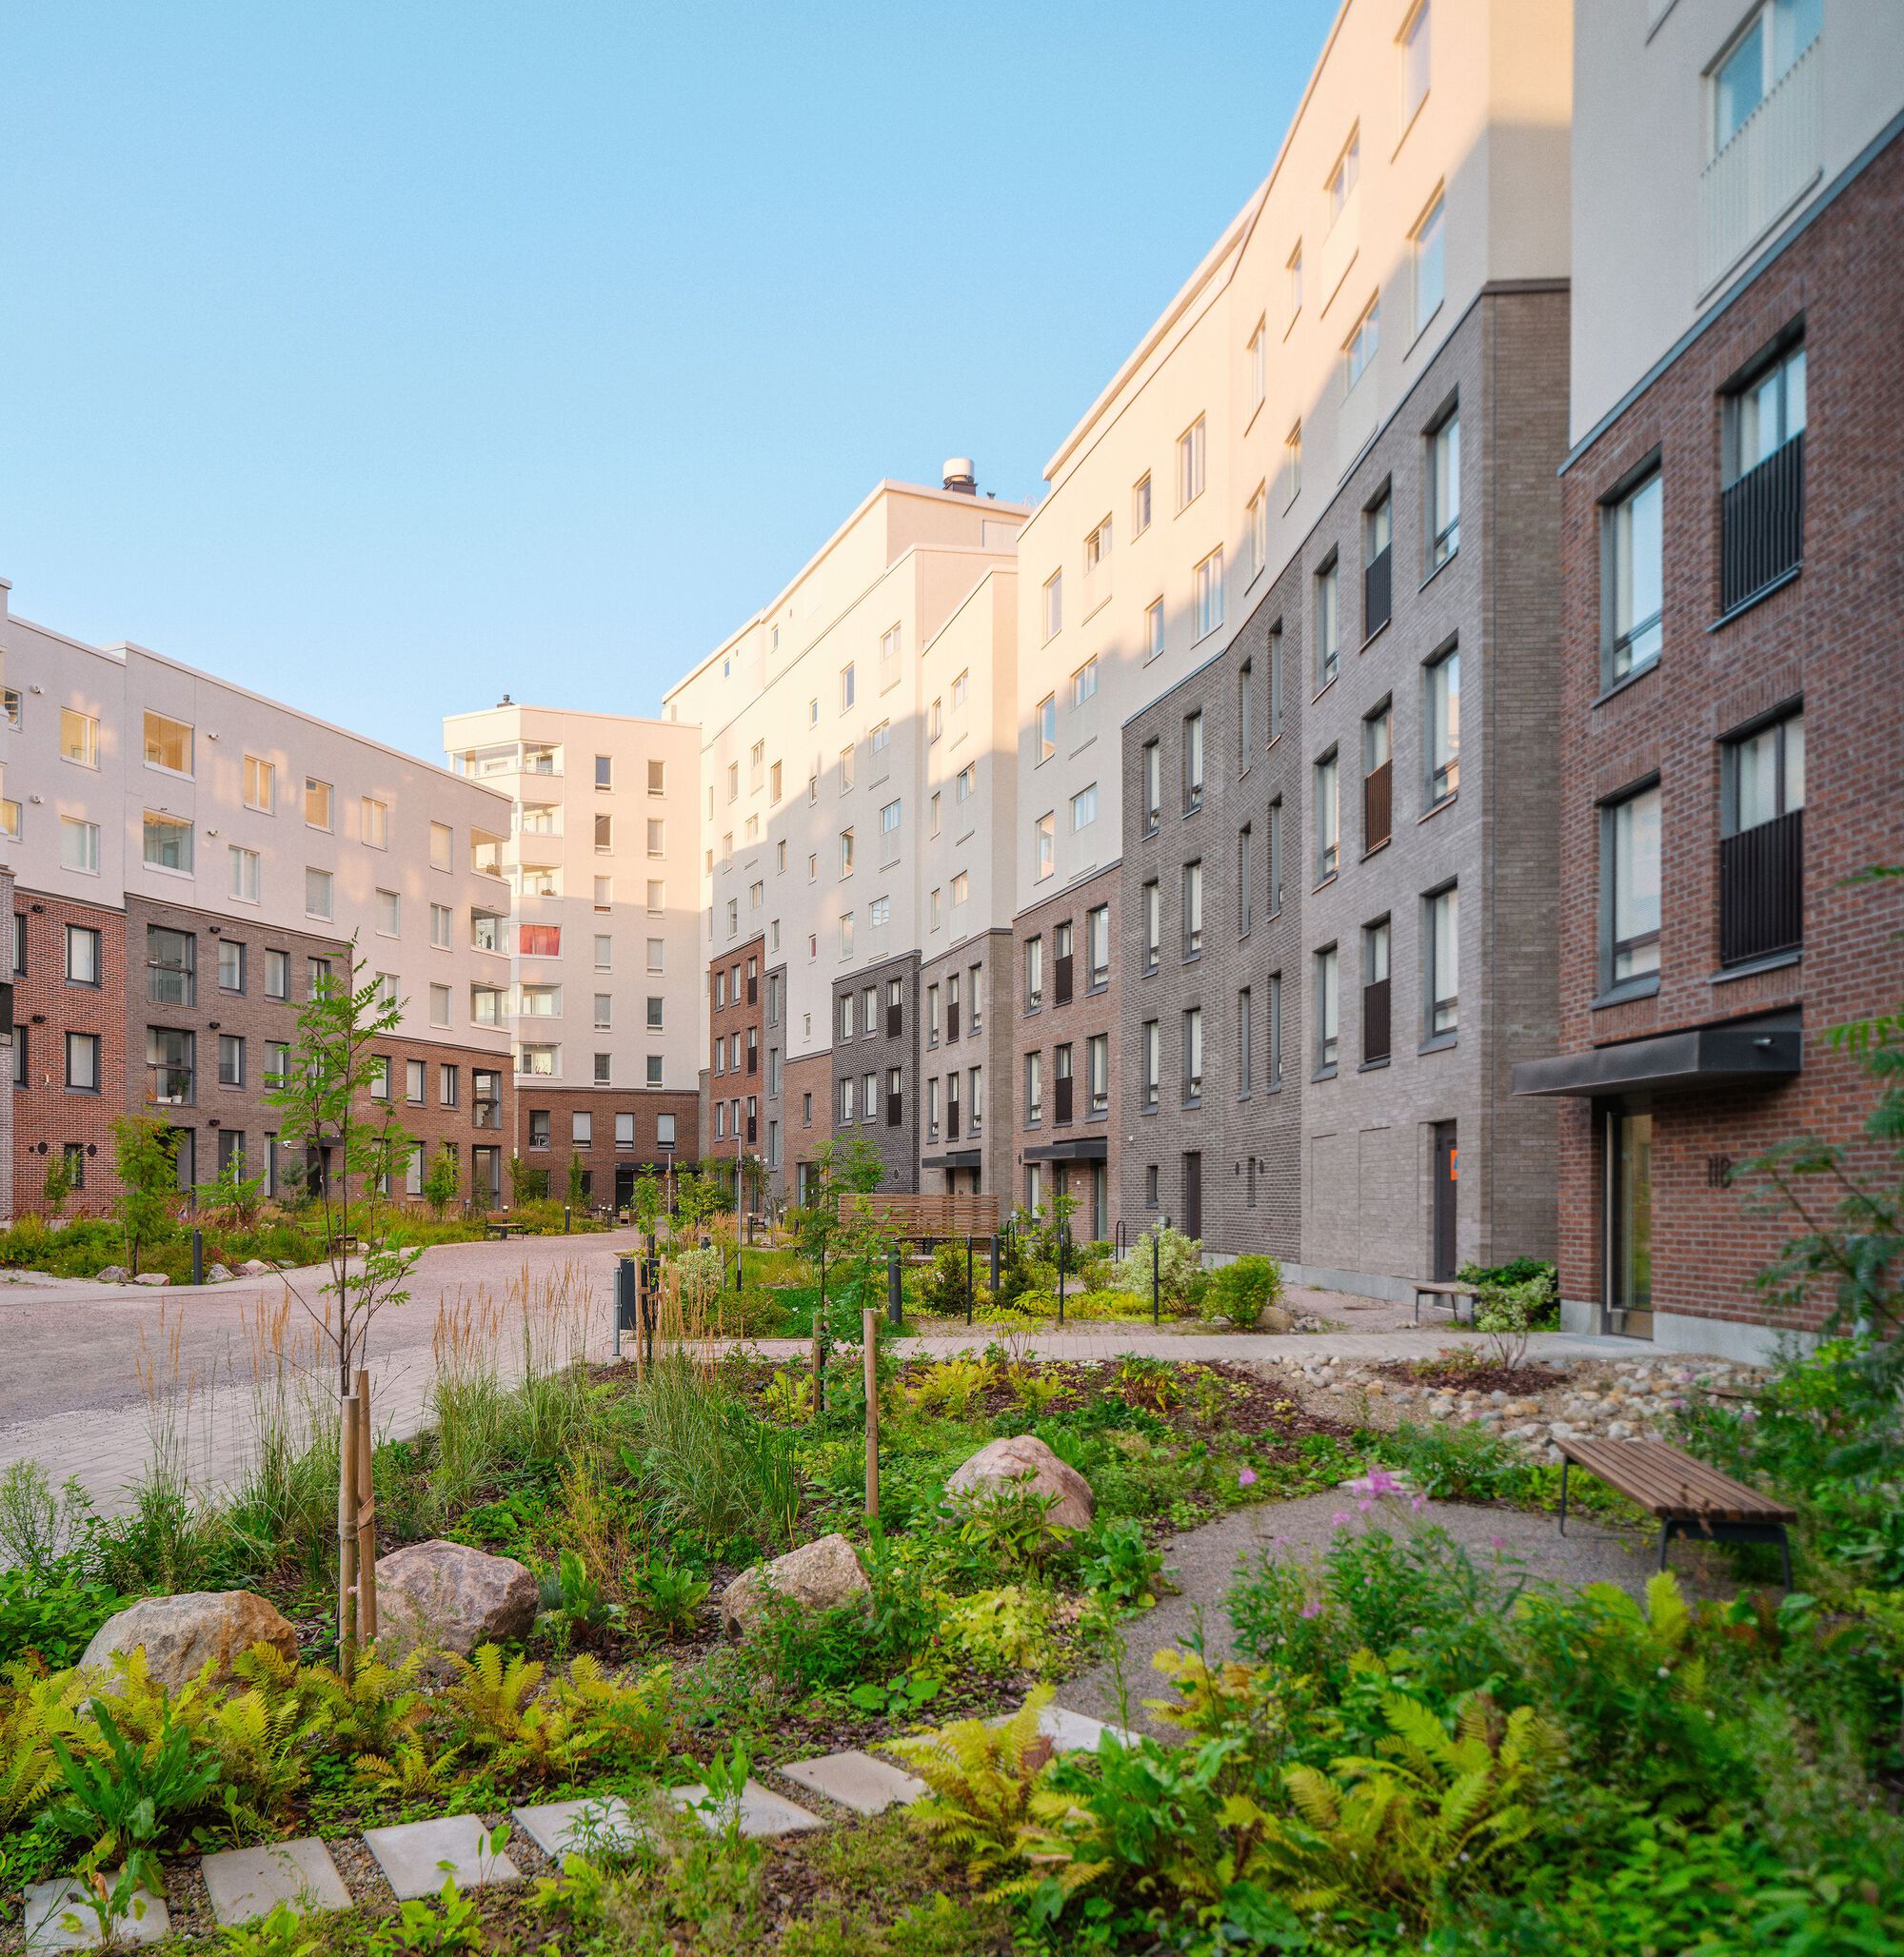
[280, 1933]
[980, 1780]
[902, 1697]
[1178, 1259]
[669, 1597]
[1004, 1629]
[128, 1801]
[1006, 1528]
[145, 1157]
[1507, 1313]
[953, 1386]
[423, 1927]
[1242, 1291]
[1120, 1567]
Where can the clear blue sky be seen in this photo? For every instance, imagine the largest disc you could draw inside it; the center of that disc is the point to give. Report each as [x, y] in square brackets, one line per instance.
[386, 357]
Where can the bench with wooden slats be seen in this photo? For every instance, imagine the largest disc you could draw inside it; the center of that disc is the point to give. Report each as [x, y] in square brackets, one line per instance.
[1688, 1496]
[1436, 1290]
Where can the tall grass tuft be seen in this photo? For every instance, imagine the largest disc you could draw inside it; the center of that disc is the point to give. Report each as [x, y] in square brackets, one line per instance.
[285, 1507]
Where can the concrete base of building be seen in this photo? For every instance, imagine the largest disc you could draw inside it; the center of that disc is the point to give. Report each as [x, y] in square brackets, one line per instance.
[1361, 1284]
[1683, 1331]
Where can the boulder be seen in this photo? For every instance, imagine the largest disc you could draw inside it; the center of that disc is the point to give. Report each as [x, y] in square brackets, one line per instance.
[1022, 1461]
[443, 1596]
[818, 1576]
[218, 1274]
[151, 1278]
[181, 1634]
[114, 1273]
[256, 1267]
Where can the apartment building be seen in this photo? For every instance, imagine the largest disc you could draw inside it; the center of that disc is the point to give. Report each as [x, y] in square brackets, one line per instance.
[189, 860]
[1731, 696]
[1248, 608]
[603, 919]
[827, 722]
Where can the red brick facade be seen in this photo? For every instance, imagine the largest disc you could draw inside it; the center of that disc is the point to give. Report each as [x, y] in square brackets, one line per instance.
[737, 1055]
[624, 1134]
[810, 1115]
[1827, 639]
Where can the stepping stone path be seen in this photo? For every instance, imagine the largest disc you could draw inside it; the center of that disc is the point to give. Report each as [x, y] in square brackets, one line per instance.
[856, 1781]
[49, 1903]
[247, 1883]
[565, 1827]
[417, 1856]
[762, 1812]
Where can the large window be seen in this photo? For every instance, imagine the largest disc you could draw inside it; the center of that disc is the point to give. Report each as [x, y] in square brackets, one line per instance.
[1326, 1026]
[1047, 727]
[1193, 910]
[1631, 855]
[168, 843]
[1193, 762]
[1762, 506]
[1443, 965]
[79, 736]
[1328, 816]
[1443, 684]
[1190, 463]
[1444, 491]
[1764, 51]
[1635, 578]
[1761, 847]
[1210, 594]
[1328, 624]
[1045, 844]
[171, 966]
[168, 743]
[1152, 785]
[1150, 1047]
[1054, 605]
[1359, 351]
[1765, 414]
[1415, 63]
[79, 845]
[1375, 1014]
[83, 955]
[1193, 1055]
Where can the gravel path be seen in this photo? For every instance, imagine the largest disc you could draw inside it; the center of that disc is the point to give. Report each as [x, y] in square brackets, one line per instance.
[1202, 1562]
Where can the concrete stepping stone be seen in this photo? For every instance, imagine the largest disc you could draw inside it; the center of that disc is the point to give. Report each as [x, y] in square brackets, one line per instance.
[1075, 1733]
[858, 1781]
[248, 1883]
[762, 1812]
[565, 1827]
[49, 1903]
[417, 1855]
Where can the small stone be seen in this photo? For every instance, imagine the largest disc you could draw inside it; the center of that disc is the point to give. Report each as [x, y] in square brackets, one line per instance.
[858, 1781]
[114, 1273]
[182, 1634]
[250, 1882]
[256, 1267]
[762, 1810]
[151, 1278]
[818, 1576]
[49, 1903]
[417, 1855]
[1076, 1733]
[218, 1274]
[1619, 1429]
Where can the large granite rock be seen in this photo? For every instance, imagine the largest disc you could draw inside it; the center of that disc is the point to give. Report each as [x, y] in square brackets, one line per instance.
[181, 1634]
[818, 1576]
[445, 1596]
[1023, 1462]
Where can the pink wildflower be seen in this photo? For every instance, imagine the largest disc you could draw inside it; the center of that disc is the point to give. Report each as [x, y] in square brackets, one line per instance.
[1313, 1608]
[1247, 1479]
[1340, 1518]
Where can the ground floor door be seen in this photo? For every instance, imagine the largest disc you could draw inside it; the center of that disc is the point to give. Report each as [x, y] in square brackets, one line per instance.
[1193, 1194]
[625, 1184]
[1447, 1208]
[485, 1176]
[1629, 1223]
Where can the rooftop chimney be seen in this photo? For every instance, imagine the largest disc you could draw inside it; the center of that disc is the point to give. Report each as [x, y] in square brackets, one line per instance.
[505, 701]
[959, 475]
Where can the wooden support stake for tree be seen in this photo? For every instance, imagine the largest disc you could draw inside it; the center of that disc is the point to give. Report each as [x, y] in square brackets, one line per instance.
[367, 1515]
[346, 1535]
[870, 1331]
[819, 1367]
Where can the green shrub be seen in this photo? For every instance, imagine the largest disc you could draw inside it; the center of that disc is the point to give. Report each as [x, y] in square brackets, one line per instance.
[1178, 1258]
[943, 1287]
[1240, 1291]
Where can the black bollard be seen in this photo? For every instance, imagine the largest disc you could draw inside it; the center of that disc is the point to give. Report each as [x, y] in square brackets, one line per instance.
[968, 1280]
[1064, 1236]
[895, 1292]
[198, 1256]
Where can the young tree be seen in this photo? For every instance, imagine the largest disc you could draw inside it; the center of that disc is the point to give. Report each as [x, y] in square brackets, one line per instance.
[443, 1181]
[578, 1196]
[236, 1195]
[648, 1203]
[144, 1151]
[58, 1185]
[333, 1099]
[528, 1182]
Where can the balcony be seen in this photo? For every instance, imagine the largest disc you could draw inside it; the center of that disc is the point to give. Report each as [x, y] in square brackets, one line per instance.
[1378, 806]
[1762, 524]
[1377, 600]
[1376, 1030]
[169, 1086]
[1763, 890]
[1771, 162]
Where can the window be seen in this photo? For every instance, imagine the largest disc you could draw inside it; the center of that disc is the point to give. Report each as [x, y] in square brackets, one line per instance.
[231, 1059]
[1276, 1029]
[171, 966]
[12, 816]
[82, 1062]
[1152, 630]
[1630, 831]
[1342, 179]
[1377, 533]
[846, 936]
[1193, 910]
[1097, 581]
[538, 940]
[889, 821]
[1054, 605]
[1358, 354]
[845, 777]
[1275, 684]
[1328, 818]
[1034, 973]
[168, 743]
[1328, 624]
[1098, 945]
[1761, 855]
[82, 952]
[169, 843]
[1152, 785]
[1633, 544]
[1444, 726]
[1210, 594]
[1276, 856]
[1765, 414]
[1153, 925]
[231, 965]
[277, 975]
[376, 822]
[774, 777]
[1150, 1046]
[317, 800]
[389, 914]
[170, 1065]
[1193, 762]
[1044, 844]
[1444, 961]
[845, 852]
[1084, 682]
[439, 1006]
[539, 1062]
[1764, 776]
[79, 737]
[733, 781]
[79, 845]
[1244, 880]
[961, 888]
[442, 846]
[1140, 506]
[1245, 1054]
[1292, 466]
[966, 782]
[1193, 1055]
[1444, 491]
[1190, 463]
[881, 738]
[1759, 59]
[1377, 777]
[1084, 807]
[1431, 276]
[1294, 270]
[1034, 1087]
[879, 913]
[1414, 63]
[1047, 727]
[846, 686]
[1325, 1010]
[888, 654]
[1257, 514]
[1258, 364]
[1097, 1073]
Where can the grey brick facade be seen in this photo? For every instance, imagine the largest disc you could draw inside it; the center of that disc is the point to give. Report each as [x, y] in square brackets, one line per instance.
[888, 1054]
[969, 1035]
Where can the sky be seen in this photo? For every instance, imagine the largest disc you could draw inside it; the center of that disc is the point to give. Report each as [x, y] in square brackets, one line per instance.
[386, 357]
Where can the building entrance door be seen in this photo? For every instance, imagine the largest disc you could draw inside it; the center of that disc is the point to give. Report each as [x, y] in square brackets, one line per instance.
[1447, 1189]
[1193, 1194]
[1629, 1224]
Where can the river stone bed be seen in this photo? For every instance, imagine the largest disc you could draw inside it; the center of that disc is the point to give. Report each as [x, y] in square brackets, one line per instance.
[1626, 1399]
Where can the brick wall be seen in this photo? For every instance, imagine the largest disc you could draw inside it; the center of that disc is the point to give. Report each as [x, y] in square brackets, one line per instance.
[809, 1114]
[985, 1045]
[610, 1164]
[736, 1033]
[878, 1053]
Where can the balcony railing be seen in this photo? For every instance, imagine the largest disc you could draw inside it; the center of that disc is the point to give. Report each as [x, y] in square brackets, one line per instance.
[1376, 1043]
[1378, 806]
[1062, 1084]
[951, 1023]
[486, 1114]
[1061, 981]
[1763, 890]
[1762, 524]
[951, 1121]
[895, 1019]
[1772, 160]
[167, 1086]
[895, 1110]
[1377, 601]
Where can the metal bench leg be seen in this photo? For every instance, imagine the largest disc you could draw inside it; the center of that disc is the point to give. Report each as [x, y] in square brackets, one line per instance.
[1665, 1537]
[1565, 1464]
[1418, 1308]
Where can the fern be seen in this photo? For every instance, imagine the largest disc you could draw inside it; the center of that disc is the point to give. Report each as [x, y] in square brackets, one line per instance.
[980, 1780]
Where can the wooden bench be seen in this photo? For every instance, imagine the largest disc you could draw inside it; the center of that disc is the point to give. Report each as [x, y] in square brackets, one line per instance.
[1687, 1496]
[506, 1231]
[1432, 1288]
